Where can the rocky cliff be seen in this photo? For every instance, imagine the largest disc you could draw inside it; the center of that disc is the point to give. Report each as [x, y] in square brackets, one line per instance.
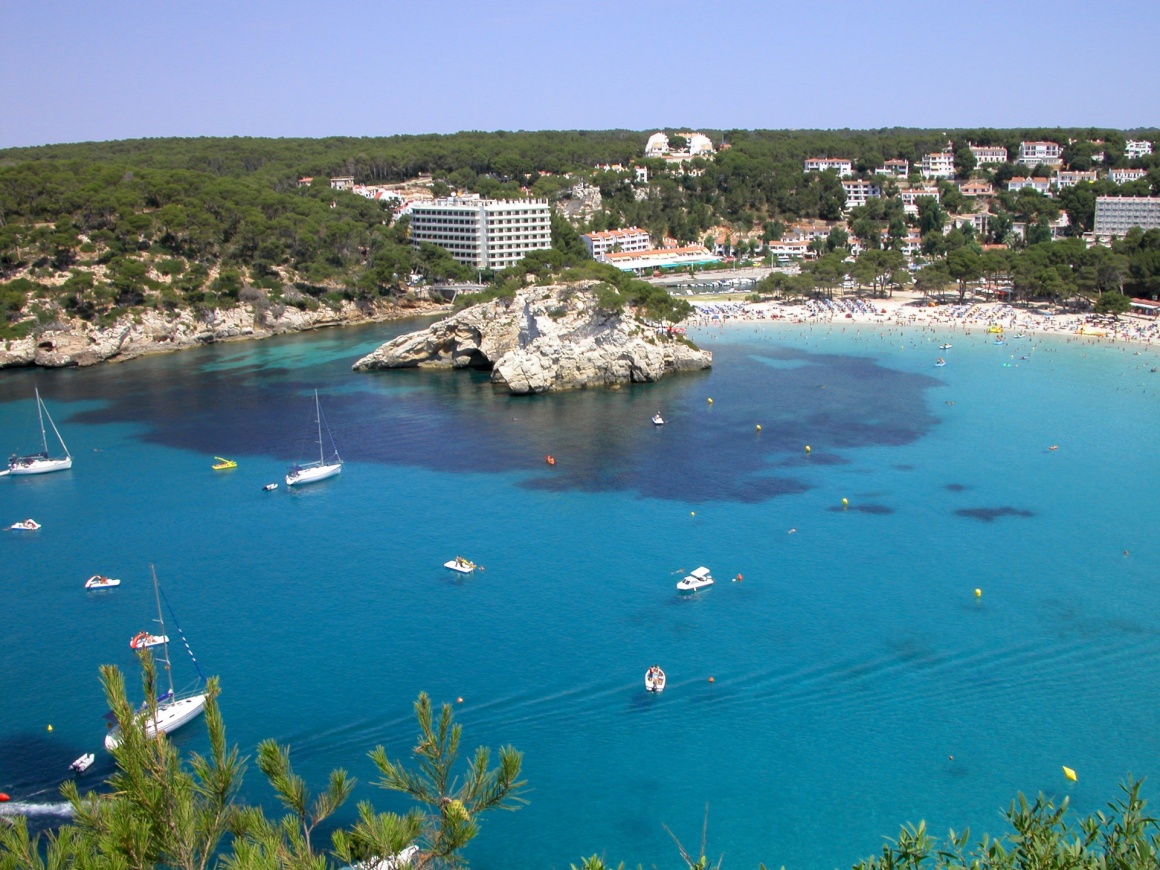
[75, 342]
[543, 340]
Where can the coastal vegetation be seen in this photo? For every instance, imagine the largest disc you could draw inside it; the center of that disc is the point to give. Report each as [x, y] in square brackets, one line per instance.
[102, 230]
[161, 809]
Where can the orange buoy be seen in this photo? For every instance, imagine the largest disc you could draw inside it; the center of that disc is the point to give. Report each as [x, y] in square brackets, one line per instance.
[738, 578]
[458, 700]
[3, 797]
[550, 459]
[711, 680]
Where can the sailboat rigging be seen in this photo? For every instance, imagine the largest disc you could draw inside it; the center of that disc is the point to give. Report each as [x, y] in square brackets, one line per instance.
[310, 472]
[172, 710]
[41, 463]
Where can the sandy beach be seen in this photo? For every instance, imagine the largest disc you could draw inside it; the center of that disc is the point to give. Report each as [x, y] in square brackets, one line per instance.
[913, 310]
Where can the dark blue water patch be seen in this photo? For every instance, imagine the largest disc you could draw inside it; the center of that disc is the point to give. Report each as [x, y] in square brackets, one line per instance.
[989, 515]
[956, 487]
[874, 509]
[902, 467]
[255, 401]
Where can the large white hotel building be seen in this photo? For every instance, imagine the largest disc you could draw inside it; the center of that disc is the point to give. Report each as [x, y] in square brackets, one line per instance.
[1115, 215]
[483, 233]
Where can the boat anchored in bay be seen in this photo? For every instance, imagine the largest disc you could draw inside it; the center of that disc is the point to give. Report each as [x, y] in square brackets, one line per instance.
[312, 472]
[172, 710]
[41, 463]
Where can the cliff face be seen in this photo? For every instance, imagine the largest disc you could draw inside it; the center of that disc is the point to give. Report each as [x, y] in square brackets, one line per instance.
[543, 340]
[79, 343]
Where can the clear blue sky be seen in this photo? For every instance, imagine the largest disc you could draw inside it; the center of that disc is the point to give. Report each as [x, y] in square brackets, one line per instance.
[109, 69]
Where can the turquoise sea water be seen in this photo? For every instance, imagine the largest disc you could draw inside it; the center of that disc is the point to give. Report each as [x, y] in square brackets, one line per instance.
[850, 663]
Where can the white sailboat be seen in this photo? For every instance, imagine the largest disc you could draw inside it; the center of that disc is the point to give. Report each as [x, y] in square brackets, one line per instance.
[41, 463]
[311, 472]
[173, 710]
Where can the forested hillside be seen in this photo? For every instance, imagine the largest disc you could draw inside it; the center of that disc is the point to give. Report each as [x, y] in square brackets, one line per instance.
[97, 230]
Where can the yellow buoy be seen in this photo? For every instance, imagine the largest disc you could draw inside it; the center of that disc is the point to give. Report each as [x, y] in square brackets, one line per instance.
[807, 448]
[758, 427]
[710, 401]
[49, 727]
[692, 513]
[845, 503]
[1069, 773]
[978, 593]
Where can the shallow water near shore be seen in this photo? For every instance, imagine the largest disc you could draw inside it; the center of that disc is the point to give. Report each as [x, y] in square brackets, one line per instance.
[858, 682]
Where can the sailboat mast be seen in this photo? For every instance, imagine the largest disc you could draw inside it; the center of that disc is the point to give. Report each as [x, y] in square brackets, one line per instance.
[161, 622]
[40, 414]
[318, 416]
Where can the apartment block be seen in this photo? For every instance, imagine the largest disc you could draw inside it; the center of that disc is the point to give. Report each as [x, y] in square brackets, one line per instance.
[857, 192]
[1066, 178]
[484, 233]
[938, 164]
[624, 240]
[822, 164]
[1115, 215]
[1123, 176]
[1040, 154]
[1135, 148]
[1043, 185]
[988, 153]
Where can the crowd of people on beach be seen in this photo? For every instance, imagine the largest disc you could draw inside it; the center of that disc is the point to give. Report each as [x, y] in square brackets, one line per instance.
[912, 311]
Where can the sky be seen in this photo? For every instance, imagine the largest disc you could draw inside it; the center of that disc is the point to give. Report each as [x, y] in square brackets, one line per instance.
[75, 71]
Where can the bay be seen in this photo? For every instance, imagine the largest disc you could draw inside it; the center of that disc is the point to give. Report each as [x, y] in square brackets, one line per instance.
[857, 681]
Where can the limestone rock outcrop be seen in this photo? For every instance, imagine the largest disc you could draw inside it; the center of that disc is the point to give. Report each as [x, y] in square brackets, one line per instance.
[75, 342]
[545, 339]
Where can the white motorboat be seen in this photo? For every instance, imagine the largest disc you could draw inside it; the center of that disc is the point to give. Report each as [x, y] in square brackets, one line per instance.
[270, 487]
[143, 640]
[29, 525]
[657, 419]
[945, 346]
[654, 679]
[939, 363]
[41, 463]
[171, 710]
[83, 763]
[398, 861]
[695, 580]
[463, 566]
[98, 581]
[312, 472]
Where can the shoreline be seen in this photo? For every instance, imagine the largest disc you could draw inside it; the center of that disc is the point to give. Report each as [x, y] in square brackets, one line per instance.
[907, 311]
[82, 344]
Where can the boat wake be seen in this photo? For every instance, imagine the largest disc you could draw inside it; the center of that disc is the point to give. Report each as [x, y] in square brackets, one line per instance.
[25, 808]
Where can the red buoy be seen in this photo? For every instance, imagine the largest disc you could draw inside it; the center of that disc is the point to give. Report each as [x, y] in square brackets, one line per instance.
[3, 797]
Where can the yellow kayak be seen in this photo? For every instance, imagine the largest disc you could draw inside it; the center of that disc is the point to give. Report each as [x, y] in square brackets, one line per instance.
[223, 464]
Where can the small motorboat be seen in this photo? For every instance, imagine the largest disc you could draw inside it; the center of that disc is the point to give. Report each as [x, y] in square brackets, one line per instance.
[83, 763]
[999, 341]
[944, 346]
[29, 525]
[143, 639]
[695, 580]
[223, 464]
[270, 487]
[99, 581]
[657, 419]
[463, 566]
[654, 679]
[939, 363]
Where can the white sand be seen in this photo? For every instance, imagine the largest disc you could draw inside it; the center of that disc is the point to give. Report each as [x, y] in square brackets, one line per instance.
[912, 310]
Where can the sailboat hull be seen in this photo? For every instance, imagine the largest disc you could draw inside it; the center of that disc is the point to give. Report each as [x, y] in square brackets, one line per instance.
[313, 474]
[38, 465]
[170, 716]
